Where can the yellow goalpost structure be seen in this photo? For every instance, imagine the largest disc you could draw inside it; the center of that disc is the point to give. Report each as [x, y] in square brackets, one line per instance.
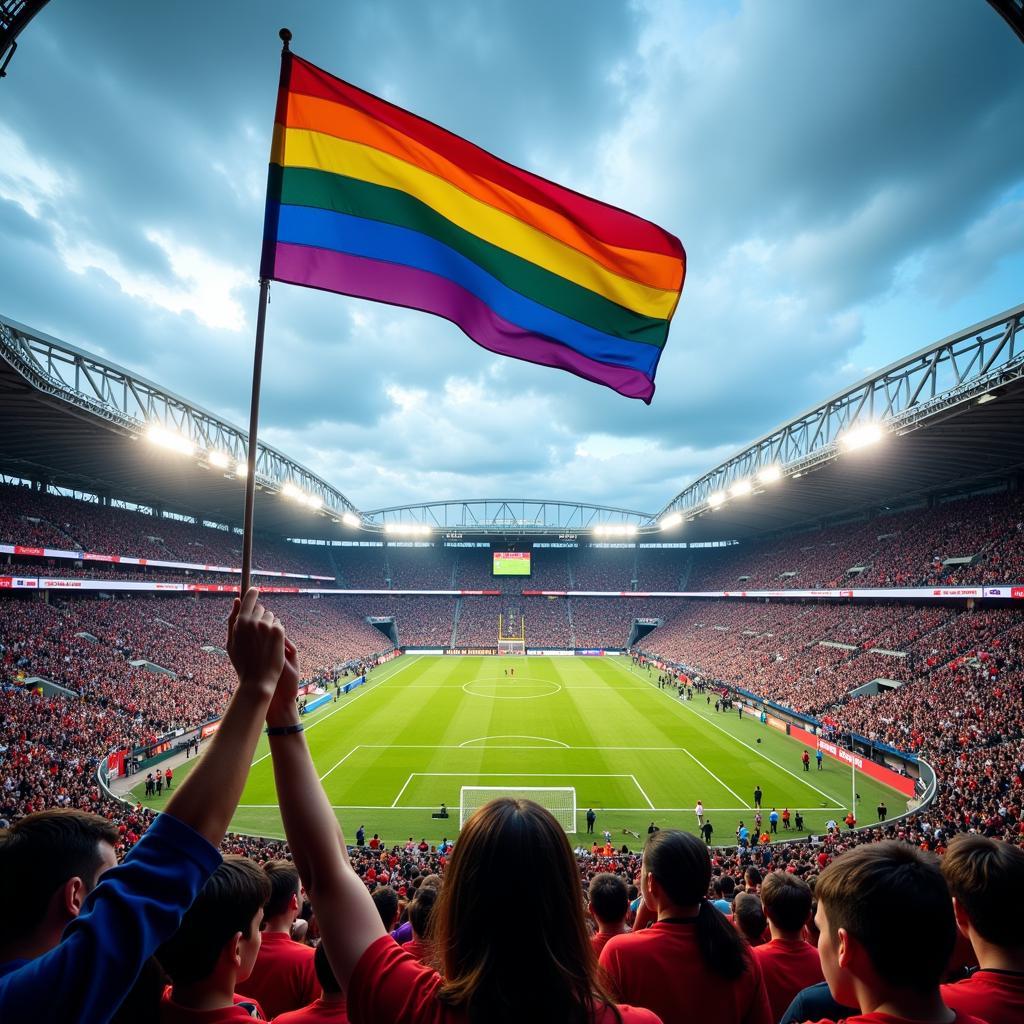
[511, 644]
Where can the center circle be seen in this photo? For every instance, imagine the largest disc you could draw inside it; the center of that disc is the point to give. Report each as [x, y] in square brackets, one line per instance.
[525, 689]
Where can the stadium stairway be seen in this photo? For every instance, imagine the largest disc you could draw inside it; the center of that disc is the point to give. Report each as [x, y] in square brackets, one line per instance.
[455, 621]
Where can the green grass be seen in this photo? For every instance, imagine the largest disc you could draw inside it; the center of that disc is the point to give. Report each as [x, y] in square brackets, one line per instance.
[391, 752]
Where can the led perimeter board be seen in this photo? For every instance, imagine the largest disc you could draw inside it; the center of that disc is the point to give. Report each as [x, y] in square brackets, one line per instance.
[511, 563]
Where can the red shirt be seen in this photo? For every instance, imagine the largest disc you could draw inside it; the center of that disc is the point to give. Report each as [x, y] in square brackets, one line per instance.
[888, 1018]
[320, 1012]
[994, 996]
[661, 968]
[389, 985]
[600, 939]
[788, 966]
[283, 977]
[243, 1010]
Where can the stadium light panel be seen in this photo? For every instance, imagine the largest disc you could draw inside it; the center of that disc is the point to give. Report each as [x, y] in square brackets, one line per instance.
[741, 487]
[291, 491]
[219, 460]
[314, 502]
[242, 469]
[769, 475]
[717, 499]
[170, 440]
[349, 519]
[861, 437]
[671, 521]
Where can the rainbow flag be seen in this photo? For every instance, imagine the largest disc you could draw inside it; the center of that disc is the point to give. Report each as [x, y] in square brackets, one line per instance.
[367, 199]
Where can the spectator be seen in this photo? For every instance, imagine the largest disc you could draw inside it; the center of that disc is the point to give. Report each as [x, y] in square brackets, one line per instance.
[283, 977]
[690, 963]
[788, 963]
[981, 874]
[330, 1008]
[887, 933]
[608, 905]
[748, 916]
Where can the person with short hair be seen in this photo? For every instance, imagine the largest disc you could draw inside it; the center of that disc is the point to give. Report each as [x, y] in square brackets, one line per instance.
[283, 977]
[215, 948]
[805, 760]
[748, 917]
[707, 830]
[330, 1008]
[691, 964]
[789, 964]
[76, 930]
[887, 931]
[385, 899]
[757, 796]
[608, 903]
[591, 819]
[981, 874]
[883, 811]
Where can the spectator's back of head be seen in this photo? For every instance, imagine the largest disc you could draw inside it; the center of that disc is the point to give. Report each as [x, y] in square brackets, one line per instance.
[752, 878]
[228, 909]
[324, 974]
[609, 899]
[749, 916]
[284, 888]
[982, 874]
[421, 911]
[891, 899]
[728, 884]
[386, 900]
[787, 901]
[41, 854]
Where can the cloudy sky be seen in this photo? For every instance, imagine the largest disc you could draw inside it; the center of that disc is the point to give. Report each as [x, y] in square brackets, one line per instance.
[847, 179]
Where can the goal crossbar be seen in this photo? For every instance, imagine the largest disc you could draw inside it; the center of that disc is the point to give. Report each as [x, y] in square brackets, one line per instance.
[559, 800]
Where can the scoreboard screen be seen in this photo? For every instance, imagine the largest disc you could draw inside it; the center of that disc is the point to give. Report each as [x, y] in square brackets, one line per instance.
[511, 563]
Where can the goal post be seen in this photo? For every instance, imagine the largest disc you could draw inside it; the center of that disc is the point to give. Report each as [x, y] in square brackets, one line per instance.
[511, 643]
[511, 646]
[559, 800]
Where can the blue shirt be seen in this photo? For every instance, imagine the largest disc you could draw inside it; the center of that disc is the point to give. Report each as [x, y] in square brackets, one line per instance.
[133, 909]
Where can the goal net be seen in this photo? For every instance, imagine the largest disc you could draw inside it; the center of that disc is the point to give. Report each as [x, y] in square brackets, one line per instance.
[559, 800]
[511, 646]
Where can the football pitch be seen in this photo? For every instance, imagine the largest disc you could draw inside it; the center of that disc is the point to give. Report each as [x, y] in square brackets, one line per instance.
[391, 752]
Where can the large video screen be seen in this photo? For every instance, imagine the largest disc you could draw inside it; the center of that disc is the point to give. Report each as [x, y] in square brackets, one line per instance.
[511, 563]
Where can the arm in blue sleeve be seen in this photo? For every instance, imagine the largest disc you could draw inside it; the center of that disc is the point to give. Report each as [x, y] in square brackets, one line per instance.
[135, 907]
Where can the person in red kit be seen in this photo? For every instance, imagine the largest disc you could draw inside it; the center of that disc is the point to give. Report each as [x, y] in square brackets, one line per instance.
[789, 964]
[691, 964]
[982, 875]
[283, 977]
[330, 1007]
[887, 933]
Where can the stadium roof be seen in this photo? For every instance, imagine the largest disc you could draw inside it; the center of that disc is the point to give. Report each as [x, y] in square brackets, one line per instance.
[948, 418]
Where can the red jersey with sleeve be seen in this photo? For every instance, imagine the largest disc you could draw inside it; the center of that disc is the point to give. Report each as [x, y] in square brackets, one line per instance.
[600, 939]
[661, 968]
[995, 996]
[389, 985]
[888, 1018]
[323, 1011]
[242, 1011]
[788, 966]
[283, 977]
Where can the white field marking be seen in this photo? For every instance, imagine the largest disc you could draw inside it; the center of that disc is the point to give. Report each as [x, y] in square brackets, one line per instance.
[516, 736]
[714, 776]
[514, 696]
[394, 803]
[363, 692]
[338, 765]
[642, 793]
[462, 746]
[677, 704]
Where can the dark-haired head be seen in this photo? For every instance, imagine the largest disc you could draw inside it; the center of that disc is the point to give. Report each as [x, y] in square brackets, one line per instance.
[485, 963]
[674, 883]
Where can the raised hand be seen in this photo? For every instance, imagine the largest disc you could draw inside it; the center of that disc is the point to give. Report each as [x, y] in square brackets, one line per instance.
[256, 643]
[282, 710]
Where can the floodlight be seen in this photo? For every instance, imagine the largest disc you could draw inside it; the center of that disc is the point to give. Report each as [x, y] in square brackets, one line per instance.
[242, 469]
[986, 398]
[350, 519]
[716, 499]
[314, 502]
[861, 437]
[291, 491]
[769, 475]
[164, 438]
[741, 487]
[672, 520]
[219, 460]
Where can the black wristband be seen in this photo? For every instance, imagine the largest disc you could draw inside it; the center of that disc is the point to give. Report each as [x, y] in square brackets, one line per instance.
[284, 730]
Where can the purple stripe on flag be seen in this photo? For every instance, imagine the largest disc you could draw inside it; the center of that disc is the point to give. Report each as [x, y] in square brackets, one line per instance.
[418, 289]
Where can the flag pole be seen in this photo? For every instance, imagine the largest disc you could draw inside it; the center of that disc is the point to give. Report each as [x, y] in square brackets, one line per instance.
[254, 404]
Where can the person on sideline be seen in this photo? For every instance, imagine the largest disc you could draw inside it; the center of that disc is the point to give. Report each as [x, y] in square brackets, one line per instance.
[488, 971]
[691, 964]
[76, 929]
